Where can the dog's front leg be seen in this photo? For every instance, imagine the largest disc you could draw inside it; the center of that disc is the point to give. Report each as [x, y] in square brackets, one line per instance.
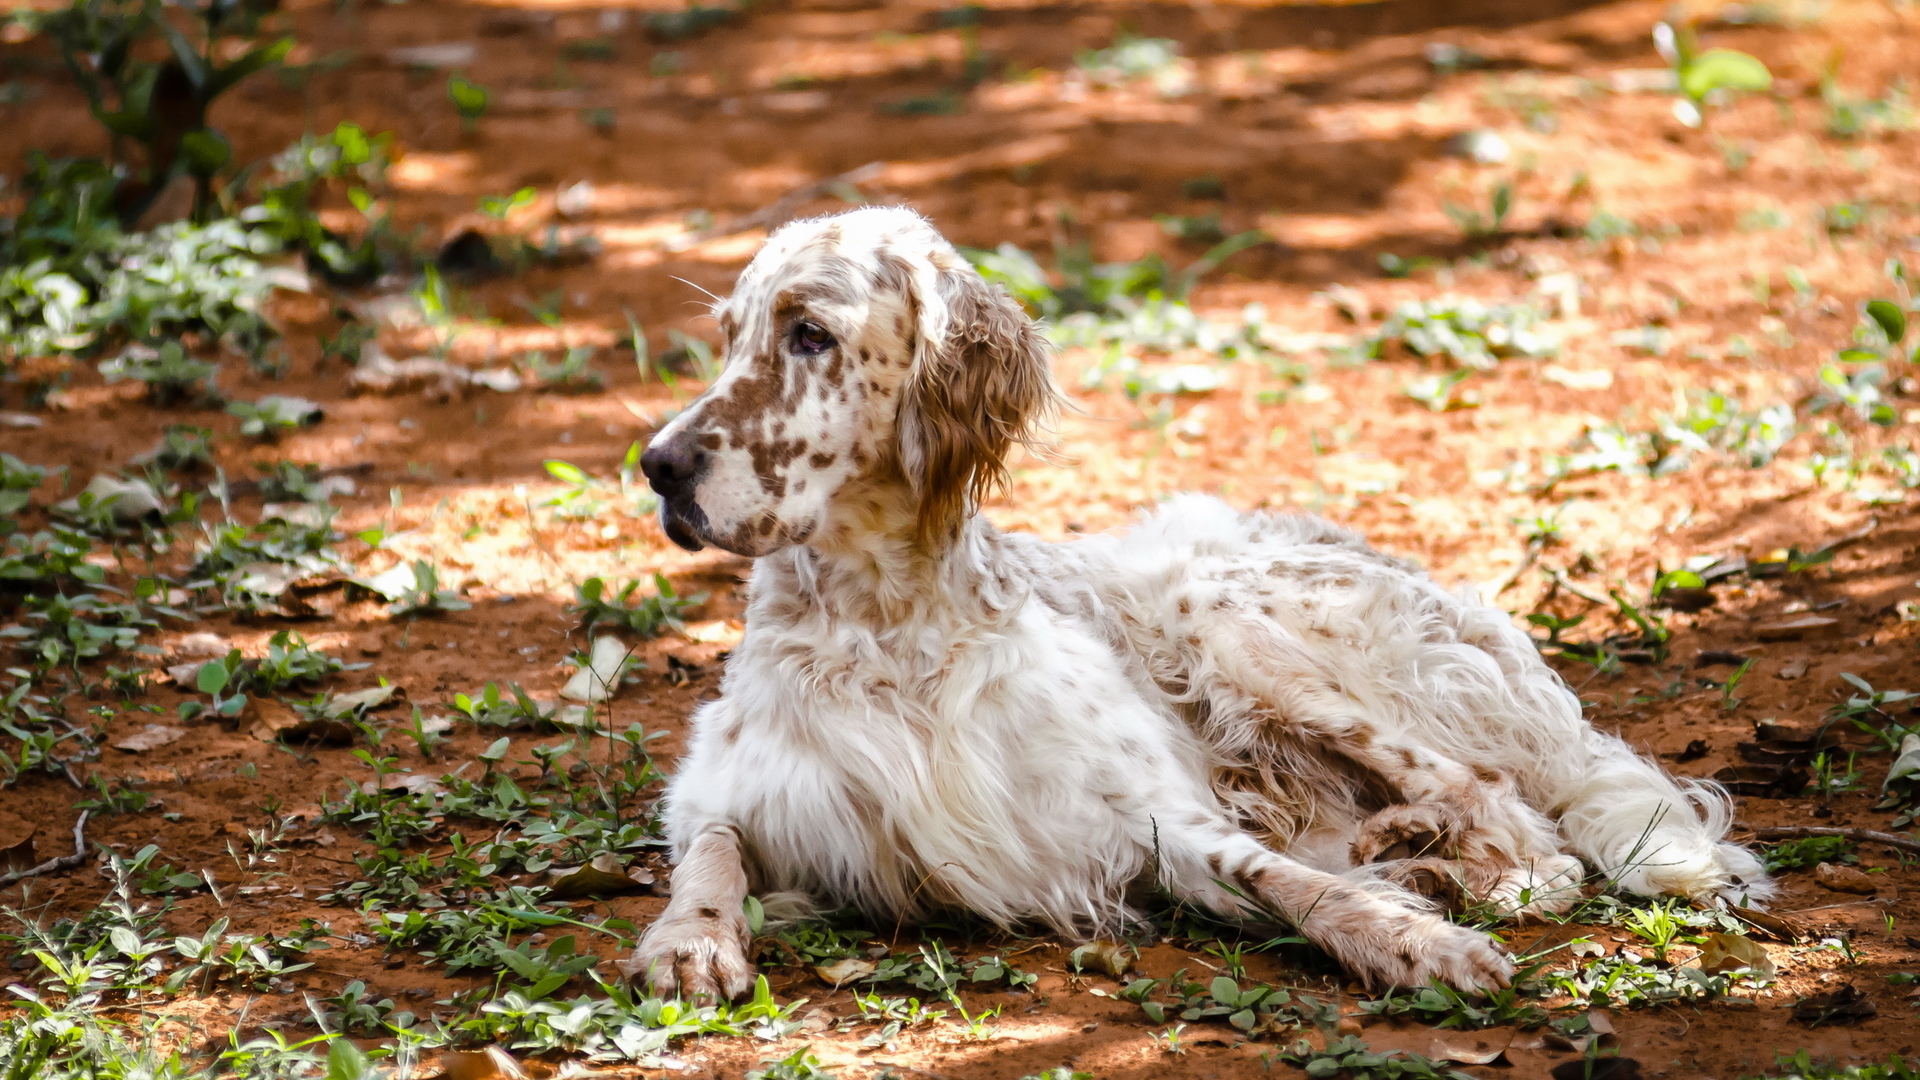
[698, 946]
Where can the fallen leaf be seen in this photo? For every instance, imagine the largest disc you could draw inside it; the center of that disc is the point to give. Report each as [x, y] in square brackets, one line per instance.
[492, 1063]
[411, 783]
[1792, 669]
[1471, 1047]
[1107, 957]
[1793, 629]
[1765, 781]
[1843, 1004]
[18, 856]
[1587, 948]
[151, 737]
[1846, 879]
[202, 645]
[599, 876]
[844, 970]
[1722, 953]
[1600, 1022]
[598, 680]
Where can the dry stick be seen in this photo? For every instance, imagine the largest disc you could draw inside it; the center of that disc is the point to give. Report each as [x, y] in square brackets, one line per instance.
[64, 862]
[1865, 836]
[1502, 584]
[1559, 577]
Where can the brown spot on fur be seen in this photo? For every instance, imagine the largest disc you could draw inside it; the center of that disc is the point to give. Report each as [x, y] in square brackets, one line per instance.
[1407, 757]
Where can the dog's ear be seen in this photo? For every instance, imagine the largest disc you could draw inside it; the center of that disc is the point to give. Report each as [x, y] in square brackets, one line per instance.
[980, 383]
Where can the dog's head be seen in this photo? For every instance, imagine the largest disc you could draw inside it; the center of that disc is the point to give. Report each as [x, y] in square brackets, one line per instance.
[860, 348]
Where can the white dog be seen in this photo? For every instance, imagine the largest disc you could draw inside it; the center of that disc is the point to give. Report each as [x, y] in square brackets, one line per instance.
[1257, 713]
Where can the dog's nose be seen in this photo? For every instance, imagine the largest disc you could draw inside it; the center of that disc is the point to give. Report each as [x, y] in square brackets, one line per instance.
[672, 467]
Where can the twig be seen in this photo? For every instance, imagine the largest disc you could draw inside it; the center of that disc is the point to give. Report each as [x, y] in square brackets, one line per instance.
[1559, 577]
[64, 862]
[781, 209]
[1502, 584]
[1865, 836]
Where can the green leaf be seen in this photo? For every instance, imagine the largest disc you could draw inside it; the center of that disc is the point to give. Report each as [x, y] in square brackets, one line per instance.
[206, 151]
[346, 1062]
[1723, 69]
[1678, 579]
[568, 472]
[252, 60]
[213, 677]
[1892, 320]
[1225, 990]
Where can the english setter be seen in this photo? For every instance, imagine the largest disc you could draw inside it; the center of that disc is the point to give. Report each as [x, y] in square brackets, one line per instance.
[1257, 713]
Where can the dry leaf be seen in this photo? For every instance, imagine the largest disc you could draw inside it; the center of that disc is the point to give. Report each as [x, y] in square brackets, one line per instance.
[1795, 628]
[1587, 948]
[1844, 1003]
[1107, 957]
[1730, 952]
[1600, 1022]
[492, 1063]
[411, 783]
[151, 737]
[1792, 669]
[1471, 1047]
[598, 680]
[601, 875]
[18, 856]
[844, 970]
[202, 645]
[1846, 879]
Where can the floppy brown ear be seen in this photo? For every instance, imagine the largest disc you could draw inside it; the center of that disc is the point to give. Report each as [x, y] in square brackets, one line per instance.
[983, 386]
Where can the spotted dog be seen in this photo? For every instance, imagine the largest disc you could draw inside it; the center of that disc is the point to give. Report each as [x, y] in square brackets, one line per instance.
[1258, 714]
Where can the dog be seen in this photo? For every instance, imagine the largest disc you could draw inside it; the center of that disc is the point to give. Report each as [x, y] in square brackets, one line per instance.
[1257, 714]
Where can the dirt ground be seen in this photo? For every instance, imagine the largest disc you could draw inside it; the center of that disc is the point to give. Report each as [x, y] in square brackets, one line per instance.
[1328, 125]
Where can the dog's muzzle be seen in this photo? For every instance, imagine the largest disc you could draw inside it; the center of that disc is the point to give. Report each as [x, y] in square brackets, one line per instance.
[673, 469]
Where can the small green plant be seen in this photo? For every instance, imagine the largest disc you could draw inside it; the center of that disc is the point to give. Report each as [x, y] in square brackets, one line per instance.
[1706, 78]
[1479, 226]
[573, 373]
[469, 100]
[501, 207]
[1349, 1056]
[799, 1065]
[1470, 333]
[1808, 851]
[171, 376]
[1801, 1066]
[646, 615]
[424, 596]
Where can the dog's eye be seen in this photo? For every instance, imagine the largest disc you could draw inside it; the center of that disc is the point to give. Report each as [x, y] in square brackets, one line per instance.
[811, 337]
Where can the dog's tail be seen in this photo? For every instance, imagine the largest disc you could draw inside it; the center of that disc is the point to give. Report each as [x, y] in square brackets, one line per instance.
[1651, 834]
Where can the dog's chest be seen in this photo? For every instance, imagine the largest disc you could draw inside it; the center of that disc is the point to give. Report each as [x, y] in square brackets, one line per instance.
[1007, 772]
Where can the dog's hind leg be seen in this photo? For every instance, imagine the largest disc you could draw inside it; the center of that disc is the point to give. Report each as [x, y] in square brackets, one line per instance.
[1380, 934]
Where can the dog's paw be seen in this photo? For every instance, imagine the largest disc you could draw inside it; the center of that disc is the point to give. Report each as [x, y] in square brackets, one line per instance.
[698, 954]
[1542, 886]
[1411, 948]
[1405, 831]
